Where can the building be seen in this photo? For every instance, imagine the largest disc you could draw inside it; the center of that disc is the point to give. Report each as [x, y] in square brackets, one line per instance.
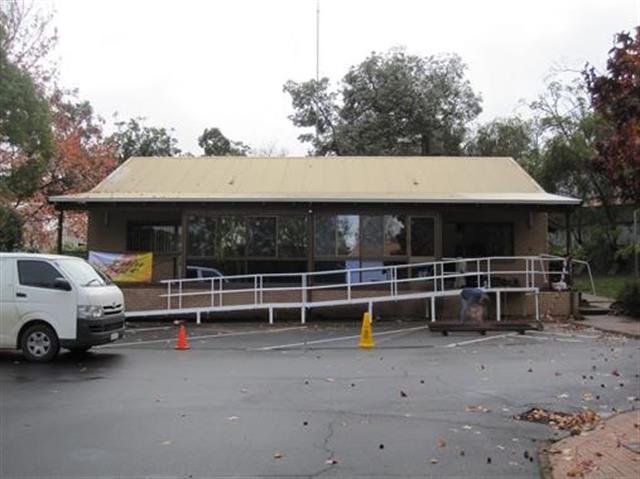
[251, 215]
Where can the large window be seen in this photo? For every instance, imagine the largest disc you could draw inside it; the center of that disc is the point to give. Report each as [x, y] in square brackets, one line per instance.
[157, 238]
[234, 244]
[261, 236]
[422, 236]
[395, 235]
[292, 236]
[478, 239]
[371, 244]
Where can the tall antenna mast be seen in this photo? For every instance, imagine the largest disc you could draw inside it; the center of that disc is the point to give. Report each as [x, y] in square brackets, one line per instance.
[317, 61]
[317, 40]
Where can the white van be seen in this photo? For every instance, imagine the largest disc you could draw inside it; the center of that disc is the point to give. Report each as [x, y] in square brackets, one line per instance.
[50, 301]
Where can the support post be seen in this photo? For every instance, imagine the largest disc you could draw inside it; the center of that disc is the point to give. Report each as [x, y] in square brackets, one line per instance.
[270, 315]
[60, 228]
[198, 318]
[567, 225]
[303, 315]
[537, 306]
[371, 311]
[498, 307]
[433, 309]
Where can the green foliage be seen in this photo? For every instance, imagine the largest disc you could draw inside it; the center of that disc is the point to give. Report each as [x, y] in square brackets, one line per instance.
[390, 104]
[214, 143]
[24, 128]
[135, 139]
[10, 229]
[629, 298]
[513, 137]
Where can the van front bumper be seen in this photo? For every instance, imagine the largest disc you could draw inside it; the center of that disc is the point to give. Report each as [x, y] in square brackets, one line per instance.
[93, 332]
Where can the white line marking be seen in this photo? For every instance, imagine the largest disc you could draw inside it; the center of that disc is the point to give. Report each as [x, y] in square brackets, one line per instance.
[341, 338]
[471, 341]
[554, 333]
[561, 340]
[141, 330]
[206, 336]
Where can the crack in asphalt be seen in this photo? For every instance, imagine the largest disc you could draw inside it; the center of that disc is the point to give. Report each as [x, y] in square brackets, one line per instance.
[330, 453]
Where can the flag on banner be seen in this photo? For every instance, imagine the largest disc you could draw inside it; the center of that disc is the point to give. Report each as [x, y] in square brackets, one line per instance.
[124, 267]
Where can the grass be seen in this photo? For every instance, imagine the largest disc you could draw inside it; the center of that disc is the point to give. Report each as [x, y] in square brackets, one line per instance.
[607, 286]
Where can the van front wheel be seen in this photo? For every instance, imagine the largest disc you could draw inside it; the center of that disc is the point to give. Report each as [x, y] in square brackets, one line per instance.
[40, 343]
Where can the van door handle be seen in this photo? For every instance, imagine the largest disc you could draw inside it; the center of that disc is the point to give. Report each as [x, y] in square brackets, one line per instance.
[21, 295]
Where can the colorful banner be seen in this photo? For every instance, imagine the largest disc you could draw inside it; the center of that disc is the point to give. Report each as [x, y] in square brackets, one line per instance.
[124, 267]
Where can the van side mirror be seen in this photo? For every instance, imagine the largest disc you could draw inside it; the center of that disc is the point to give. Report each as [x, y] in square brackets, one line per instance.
[62, 284]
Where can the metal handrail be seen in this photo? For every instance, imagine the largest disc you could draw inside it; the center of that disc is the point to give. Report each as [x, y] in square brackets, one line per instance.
[481, 268]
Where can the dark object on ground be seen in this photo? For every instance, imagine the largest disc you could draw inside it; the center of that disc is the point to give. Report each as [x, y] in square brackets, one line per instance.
[575, 423]
[628, 299]
[483, 327]
[474, 305]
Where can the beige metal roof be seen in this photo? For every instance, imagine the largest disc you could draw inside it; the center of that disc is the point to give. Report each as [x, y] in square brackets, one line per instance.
[325, 179]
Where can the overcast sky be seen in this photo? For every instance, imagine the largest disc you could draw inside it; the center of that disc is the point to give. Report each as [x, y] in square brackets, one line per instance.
[191, 64]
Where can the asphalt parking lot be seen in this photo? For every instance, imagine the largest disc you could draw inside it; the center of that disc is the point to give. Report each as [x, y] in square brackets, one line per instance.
[252, 400]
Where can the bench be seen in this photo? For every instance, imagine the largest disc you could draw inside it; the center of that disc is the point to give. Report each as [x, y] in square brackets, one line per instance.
[482, 328]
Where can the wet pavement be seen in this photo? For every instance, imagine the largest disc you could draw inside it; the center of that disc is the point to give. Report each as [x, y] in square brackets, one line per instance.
[249, 400]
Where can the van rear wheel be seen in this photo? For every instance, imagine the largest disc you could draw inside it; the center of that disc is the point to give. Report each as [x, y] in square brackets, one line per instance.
[39, 343]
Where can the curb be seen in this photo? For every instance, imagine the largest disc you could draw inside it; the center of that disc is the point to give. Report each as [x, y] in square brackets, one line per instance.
[546, 471]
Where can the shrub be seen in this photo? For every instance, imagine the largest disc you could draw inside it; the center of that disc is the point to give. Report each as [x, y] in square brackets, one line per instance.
[629, 298]
[10, 229]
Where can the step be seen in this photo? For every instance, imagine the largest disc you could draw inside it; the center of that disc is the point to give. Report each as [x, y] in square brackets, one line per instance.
[594, 311]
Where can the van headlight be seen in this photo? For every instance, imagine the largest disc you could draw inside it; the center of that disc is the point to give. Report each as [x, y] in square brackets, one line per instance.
[86, 311]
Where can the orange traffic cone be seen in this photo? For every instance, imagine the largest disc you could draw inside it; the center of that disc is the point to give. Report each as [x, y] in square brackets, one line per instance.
[182, 344]
[366, 335]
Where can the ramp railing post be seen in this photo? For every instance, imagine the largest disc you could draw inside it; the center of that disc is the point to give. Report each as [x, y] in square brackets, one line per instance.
[479, 275]
[498, 307]
[255, 290]
[433, 309]
[169, 295]
[213, 291]
[270, 315]
[349, 285]
[180, 295]
[537, 301]
[371, 311]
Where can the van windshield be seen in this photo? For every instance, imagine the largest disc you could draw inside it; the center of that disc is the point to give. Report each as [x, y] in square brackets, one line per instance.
[83, 273]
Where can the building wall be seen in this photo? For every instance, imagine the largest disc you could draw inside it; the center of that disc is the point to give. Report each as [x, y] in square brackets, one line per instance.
[108, 232]
[108, 225]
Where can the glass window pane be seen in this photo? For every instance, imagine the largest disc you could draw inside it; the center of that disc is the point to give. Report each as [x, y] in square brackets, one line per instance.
[232, 232]
[155, 238]
[39, 274]
[371, 243]
[201, 236]
[292, 236]
[422, 236]
[395, 235]
[325, 235]
[262, 236]
[348, 232]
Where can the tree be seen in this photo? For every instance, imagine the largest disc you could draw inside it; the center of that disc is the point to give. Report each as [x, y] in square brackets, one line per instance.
[28, 39]
[25, 134]
[214, 143]
[133, 138]
[514, 137]
[390, 104]
[616, 97]
[10, 229]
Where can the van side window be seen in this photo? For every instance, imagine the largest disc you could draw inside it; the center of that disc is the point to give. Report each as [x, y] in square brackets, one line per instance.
[37, 273]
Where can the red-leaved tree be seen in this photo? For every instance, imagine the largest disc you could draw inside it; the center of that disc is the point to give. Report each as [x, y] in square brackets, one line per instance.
[616, 97]
[82, 157]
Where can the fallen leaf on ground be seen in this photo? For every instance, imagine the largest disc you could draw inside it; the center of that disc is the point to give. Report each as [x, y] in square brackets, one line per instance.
[332, 460]
[330, 380]
[403, 394]
[442, 443]
[278, 455]
[233, 418]
[584, 420]
[433, 461]
[476, 409]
